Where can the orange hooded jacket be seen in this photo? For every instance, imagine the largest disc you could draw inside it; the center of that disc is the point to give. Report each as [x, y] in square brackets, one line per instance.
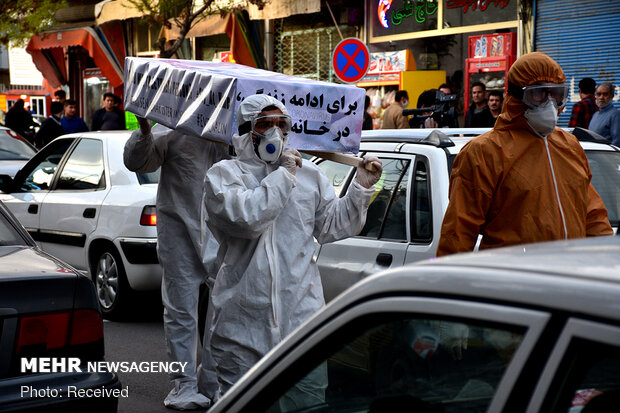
[513, 187]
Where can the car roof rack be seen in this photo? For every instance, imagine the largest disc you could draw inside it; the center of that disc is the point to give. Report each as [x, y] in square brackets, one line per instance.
[435, 138]
[586, 135]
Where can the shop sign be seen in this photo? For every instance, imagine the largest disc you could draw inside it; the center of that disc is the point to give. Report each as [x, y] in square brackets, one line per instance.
[394, 17]
[472, 12]
[403, 16]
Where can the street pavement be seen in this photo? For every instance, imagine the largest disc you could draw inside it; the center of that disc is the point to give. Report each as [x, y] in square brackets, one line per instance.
[139, 340]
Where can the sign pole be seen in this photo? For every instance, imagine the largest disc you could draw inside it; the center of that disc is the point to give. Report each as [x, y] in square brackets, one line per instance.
[334, 19]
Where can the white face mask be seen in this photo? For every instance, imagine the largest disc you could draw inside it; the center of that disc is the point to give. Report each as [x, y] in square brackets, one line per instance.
[269, 145]
[405, 103]
[542, 119]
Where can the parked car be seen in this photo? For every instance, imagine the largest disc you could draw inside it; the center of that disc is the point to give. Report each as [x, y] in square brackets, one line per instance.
[405, 216]
[47, 309]
[81, 204]
[15, 151]
[532, 328]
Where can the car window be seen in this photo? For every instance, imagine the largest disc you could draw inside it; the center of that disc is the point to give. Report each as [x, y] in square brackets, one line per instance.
[386, 216]
[40, 177]
[421, 203]
[336, 172]
[14, 148]
[592, 371]
[391, 361]
[605, 167]
[84, 168]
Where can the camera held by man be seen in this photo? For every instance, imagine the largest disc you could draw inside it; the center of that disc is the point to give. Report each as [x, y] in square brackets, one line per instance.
[435, 110]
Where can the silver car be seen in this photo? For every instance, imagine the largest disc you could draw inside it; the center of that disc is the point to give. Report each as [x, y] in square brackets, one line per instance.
[532, 328]
[405, 215]
[81, 204]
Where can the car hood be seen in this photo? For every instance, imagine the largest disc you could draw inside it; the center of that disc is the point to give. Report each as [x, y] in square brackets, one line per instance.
[22, 263]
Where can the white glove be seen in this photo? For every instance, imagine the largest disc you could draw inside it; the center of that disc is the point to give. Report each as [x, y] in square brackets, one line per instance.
[290, 160]
[145, 125]
[366, 177]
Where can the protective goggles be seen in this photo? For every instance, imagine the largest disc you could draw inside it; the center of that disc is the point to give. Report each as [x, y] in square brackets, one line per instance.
[262, 123]
[536, 95]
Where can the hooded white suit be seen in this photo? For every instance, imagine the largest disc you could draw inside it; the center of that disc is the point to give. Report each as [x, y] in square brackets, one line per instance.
[184, 161]
[266, 219]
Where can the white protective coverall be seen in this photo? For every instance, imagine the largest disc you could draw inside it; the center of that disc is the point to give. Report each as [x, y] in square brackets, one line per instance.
[184, 161]
[265, 219]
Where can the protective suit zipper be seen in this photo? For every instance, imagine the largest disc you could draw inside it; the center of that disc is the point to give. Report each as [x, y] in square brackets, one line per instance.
[555, 186]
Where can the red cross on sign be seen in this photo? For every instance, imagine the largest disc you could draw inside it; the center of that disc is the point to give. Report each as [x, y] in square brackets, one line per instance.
[351, 60]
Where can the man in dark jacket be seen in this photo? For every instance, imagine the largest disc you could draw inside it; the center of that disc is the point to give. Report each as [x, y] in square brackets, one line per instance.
[51, 127]
[109, 117]
[478, 115]
[20, 120]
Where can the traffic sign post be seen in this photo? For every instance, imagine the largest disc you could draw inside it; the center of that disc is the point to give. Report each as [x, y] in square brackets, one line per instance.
[351, 60]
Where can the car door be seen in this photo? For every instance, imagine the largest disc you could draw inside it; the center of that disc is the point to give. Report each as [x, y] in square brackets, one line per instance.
[32, 184]
[70, 211]
[583, 371]
[383, 241]
[390, 353]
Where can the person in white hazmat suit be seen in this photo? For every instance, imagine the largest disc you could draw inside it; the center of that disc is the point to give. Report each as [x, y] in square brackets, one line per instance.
[264, 208]
[184, 161]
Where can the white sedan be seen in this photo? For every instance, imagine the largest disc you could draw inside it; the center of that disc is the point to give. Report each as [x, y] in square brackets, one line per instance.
[81, 204]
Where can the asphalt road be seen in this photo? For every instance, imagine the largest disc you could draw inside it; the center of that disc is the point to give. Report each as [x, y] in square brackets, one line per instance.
[139, 340]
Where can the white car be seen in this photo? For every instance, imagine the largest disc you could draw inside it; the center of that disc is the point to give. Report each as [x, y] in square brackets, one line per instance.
[81, 204]
[531, 328]
[15, 151]
[405, 216]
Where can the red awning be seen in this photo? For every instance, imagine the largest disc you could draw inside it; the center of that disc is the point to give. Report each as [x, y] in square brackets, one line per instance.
[47, 51]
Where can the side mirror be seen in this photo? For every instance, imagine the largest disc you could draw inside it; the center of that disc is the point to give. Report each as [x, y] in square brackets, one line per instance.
[6, 183]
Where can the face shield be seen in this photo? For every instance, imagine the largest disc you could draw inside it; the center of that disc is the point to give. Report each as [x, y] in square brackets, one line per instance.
[534, 96]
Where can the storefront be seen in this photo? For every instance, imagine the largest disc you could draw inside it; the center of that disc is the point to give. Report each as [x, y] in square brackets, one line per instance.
[71, 55]
[437, 34]
[584, 39]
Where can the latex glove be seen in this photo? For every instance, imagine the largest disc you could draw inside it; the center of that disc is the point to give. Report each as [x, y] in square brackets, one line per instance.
[290, 160]
[368, 178]
[430, 123]
[145, 125]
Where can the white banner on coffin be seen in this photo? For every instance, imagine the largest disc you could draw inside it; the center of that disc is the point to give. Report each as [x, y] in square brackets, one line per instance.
[201, 98]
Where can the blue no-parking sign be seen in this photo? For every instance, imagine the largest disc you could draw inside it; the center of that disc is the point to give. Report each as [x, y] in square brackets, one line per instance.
[351, 60]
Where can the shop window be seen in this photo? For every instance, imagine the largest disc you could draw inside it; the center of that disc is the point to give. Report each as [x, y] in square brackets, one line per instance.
[307, 52]
[146, 38]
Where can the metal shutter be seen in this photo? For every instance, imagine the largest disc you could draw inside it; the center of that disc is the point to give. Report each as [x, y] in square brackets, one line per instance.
[583, 36]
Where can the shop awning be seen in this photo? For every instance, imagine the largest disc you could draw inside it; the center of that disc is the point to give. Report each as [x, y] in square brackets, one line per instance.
[109, 10]
[48, 54]
[278, 9]
[209, 26]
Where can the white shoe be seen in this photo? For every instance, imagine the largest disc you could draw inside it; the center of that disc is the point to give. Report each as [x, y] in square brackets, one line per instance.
[186, 397]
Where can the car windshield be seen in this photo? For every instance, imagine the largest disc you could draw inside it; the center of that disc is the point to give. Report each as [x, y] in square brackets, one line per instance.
[605, 167]
[8, 234]
[149, 178]
[14, 149]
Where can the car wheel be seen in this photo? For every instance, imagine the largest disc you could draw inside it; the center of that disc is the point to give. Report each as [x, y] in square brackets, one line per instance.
[111, 283]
